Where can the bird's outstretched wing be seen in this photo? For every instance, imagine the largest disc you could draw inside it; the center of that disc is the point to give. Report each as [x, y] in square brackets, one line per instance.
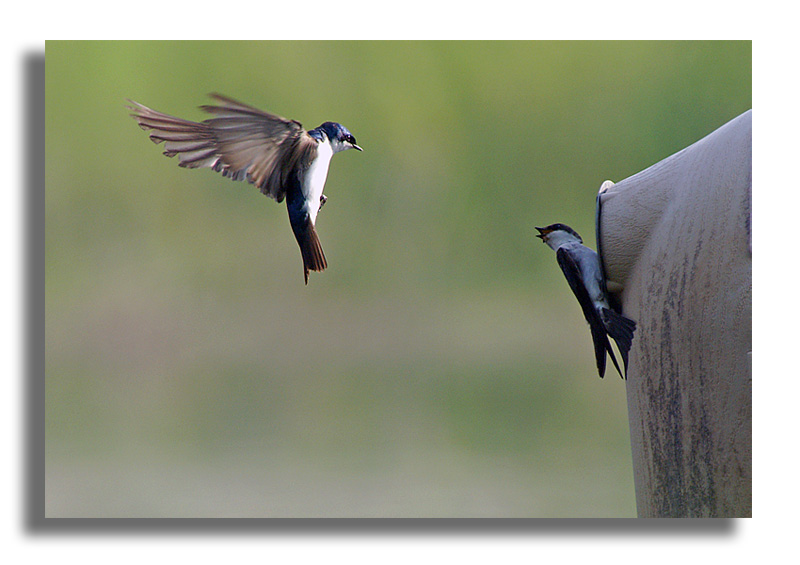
[572, 272]
[241, 142]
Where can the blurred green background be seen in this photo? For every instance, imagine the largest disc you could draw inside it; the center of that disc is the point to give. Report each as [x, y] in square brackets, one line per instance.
[440, 367]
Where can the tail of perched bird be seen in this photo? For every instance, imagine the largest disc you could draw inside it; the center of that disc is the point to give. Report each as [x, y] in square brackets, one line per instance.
[621, 330]
[601, 346]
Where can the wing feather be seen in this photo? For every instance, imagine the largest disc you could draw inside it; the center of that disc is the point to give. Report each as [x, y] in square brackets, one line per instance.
[572, 272]
[239, 141]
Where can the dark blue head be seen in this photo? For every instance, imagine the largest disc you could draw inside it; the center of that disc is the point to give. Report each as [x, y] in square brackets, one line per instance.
[555, 235]
[337, 134]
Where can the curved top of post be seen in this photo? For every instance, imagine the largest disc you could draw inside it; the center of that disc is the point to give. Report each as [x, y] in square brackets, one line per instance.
[631, 211]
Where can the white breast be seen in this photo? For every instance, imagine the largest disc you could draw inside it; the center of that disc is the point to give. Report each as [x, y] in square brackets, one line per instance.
[315, 179]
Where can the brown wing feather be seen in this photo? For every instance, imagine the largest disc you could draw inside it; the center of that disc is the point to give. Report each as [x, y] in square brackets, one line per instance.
[241, 142]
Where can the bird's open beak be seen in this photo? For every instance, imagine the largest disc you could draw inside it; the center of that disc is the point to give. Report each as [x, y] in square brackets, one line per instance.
[541, 234]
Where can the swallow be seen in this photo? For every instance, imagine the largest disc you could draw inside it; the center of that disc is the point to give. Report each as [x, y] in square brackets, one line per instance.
[582, 269]
[276, 154]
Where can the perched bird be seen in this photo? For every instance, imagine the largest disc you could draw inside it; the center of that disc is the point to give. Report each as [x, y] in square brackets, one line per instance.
[584, 274]
[277, 155]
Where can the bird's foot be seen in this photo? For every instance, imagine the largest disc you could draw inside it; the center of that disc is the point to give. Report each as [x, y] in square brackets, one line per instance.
[322, 200]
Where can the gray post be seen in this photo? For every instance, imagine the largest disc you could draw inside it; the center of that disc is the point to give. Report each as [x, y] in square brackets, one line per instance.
[676, 238]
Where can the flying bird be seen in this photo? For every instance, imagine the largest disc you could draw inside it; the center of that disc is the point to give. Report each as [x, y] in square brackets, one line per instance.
[581, 267]
[277, 155]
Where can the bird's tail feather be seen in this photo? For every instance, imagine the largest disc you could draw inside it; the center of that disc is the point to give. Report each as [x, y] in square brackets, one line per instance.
[601, 345]
[621, 329]
[311, 248]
